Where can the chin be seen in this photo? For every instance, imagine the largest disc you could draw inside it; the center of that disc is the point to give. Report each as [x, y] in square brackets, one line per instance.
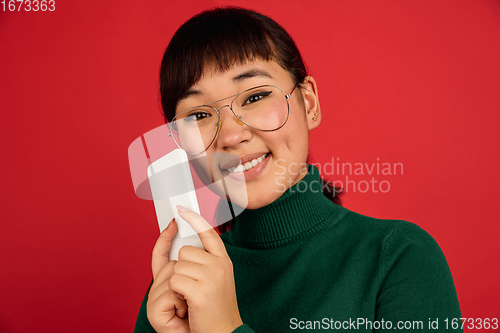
[258, 201]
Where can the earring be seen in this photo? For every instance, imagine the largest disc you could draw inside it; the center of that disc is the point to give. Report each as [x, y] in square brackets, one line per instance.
[315, 116]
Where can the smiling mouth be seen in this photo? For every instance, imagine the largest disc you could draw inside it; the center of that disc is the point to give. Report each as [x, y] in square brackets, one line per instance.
[248, 165]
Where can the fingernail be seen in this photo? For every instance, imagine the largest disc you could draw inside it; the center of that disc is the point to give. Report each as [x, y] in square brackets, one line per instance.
[182, 209]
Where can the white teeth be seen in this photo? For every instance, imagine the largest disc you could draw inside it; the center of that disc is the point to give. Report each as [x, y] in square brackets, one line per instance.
[248, 165]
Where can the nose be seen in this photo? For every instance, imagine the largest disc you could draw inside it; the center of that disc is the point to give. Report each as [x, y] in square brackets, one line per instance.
[232, 131]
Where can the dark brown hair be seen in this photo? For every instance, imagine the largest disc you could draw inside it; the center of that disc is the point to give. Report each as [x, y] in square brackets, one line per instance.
[224, 37]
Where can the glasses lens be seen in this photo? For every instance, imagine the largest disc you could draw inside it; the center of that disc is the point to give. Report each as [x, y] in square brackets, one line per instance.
[194, 129]
[264, 108]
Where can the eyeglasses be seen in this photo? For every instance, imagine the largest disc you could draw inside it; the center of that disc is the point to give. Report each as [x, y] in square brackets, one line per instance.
[264, 108]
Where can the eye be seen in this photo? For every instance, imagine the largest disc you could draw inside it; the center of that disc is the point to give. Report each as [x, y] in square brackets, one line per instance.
[256, 97]
[197, 116]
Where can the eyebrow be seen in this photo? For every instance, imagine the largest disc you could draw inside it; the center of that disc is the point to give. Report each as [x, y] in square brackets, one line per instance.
[251, 73]
[238, 78]
[190, 92]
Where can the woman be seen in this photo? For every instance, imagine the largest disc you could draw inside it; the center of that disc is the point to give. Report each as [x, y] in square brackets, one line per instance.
[294, 259]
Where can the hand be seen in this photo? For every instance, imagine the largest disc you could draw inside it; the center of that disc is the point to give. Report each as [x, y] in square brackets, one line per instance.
[204, 279]
[166, 312]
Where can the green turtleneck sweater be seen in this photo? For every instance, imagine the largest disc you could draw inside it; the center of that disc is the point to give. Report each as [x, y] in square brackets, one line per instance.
[305, 263]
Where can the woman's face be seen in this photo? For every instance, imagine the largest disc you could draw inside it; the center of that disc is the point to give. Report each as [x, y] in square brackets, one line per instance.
[285, 149]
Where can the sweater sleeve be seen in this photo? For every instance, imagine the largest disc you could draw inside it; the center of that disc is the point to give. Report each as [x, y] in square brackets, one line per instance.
[417, 289]
[142, 324]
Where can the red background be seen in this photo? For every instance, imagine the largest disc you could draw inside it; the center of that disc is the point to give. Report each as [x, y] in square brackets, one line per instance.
[412, 82]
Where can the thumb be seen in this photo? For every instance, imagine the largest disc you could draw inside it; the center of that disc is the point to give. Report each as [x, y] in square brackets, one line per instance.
[162, 248]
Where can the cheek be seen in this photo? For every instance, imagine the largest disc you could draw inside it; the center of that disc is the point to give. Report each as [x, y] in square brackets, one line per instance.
[296, 139]
[207, 165]
[207, 169]
[295, 133]
[202, 169]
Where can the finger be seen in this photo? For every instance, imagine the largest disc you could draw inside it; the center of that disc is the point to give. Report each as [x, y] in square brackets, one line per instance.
[162, 248]
[208, 236]
[168, 304]
[181, 308]
[160, 284]
[157, 290]
[194, 254]
[182, 285]
[165, 272]
[179, 305]
[189, 269]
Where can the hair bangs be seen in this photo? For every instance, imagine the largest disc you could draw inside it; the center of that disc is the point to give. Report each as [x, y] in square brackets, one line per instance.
[234, 40]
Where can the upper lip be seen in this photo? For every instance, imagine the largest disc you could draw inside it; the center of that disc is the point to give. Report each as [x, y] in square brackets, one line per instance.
[243, 159]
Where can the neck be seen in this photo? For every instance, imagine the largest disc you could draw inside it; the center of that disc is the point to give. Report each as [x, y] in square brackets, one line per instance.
[301, 211]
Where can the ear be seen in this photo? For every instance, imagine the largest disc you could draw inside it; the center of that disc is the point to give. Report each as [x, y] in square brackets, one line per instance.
[311, 102]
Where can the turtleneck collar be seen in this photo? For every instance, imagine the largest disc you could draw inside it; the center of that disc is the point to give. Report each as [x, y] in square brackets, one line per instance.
[300, 212]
